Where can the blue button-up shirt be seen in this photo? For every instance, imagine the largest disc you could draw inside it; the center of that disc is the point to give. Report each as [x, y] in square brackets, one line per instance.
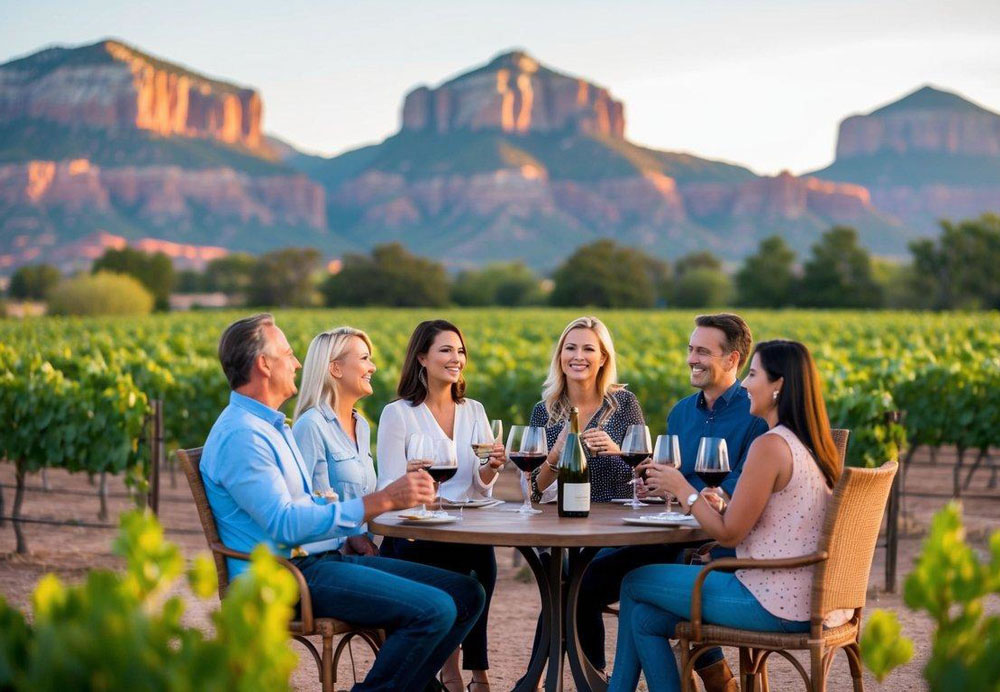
[335, 460]
[259, 490]
[728, 418]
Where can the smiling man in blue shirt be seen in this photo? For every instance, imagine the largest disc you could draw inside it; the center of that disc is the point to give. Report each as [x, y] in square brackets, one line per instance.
[260, 491]
[719, 346]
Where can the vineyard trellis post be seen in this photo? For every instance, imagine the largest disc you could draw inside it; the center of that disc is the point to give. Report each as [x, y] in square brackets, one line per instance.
[156, 454]
[892, 518]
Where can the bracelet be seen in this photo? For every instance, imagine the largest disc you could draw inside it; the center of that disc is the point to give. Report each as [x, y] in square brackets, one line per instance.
[552, 467]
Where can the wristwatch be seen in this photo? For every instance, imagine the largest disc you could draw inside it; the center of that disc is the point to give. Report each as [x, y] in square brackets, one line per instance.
[690, 501]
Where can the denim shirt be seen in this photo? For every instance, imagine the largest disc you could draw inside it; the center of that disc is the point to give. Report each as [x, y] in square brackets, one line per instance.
[334, 459]
[259, 490]
[728, 418]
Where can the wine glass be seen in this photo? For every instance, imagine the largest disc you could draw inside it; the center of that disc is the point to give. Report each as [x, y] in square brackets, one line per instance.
[667, 451]
[443, 468]
[420, 447]
[712, 463]
[527, 447]
[635, 449]
[483, 439]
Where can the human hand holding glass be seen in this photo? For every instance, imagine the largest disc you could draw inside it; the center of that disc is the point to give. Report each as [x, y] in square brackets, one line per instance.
[667, 452]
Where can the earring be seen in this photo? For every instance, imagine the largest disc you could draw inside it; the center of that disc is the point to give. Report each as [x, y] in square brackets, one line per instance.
[774, 396]
[422, 376]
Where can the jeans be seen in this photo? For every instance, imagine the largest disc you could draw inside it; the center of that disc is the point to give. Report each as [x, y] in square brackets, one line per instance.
[657, 597]
[602, 583]
[426, 611]
[478, 561]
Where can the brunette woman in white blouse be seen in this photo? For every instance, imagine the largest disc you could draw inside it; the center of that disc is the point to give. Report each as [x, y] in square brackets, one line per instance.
[335, 440]
[432, 401]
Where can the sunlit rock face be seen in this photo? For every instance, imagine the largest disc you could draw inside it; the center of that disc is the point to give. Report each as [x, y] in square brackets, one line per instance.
[514, 93]
[111, 85]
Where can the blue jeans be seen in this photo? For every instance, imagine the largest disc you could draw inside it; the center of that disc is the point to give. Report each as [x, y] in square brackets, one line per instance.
[426, 611]
[657, 597]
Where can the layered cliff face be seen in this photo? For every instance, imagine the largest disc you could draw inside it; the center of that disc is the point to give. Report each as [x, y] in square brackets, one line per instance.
[926, 121]
[514, 93]
[110, 85]
[928, 156]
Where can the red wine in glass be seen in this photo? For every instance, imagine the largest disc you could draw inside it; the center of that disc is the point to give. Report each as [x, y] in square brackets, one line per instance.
[634, 460]
[441, 474]
[527, 461]
[712, 479]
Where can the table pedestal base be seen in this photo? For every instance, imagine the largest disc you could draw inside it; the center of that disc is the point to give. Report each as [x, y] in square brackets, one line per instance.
[559, 592]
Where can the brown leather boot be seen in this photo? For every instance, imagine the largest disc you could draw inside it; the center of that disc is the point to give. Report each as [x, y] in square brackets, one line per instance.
[718, 678]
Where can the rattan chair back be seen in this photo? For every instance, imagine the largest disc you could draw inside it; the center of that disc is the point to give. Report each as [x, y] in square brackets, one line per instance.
[850, 531]
[840, 436]
[190, 461]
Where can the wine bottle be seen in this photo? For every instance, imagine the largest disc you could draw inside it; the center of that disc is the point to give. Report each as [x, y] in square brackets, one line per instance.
[574, 475]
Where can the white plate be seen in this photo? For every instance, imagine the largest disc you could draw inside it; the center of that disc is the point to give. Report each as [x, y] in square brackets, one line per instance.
[663, 519]
[414, 519]
[647, 500]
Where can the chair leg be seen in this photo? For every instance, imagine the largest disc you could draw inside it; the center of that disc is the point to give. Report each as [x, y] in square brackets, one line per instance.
[327, 673]
[764, 685]
[854, 659]
[817, 681]
[685, 652]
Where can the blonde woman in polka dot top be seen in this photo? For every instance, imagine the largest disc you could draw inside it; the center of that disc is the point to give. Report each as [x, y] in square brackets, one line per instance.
[582, 374]
[777, 510]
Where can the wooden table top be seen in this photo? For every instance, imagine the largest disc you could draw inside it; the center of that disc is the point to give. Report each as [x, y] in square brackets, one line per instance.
[494, 526]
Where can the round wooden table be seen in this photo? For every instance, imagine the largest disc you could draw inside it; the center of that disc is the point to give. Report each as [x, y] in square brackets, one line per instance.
[575, 541]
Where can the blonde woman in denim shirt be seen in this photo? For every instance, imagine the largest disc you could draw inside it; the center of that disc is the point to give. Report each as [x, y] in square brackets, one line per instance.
[335, 440]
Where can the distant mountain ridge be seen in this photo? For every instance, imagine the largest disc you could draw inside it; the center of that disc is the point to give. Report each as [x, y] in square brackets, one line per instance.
[509, 160]
[930, 155]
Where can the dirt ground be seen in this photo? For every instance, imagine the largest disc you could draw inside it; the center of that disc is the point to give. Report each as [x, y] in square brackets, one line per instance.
[70, 551]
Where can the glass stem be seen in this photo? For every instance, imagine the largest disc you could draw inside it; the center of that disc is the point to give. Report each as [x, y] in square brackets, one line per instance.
[635, 486]
[525, 493]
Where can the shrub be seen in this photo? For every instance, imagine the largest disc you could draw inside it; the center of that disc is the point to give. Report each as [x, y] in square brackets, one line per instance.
[100, 294]
[702, 287]
[119, 631]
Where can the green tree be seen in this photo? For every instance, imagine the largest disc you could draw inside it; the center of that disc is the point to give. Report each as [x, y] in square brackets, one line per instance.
[701, 288]
[839, 274]
[959, 271]
[286, 278]
[499, 283]
[102, 293]
[190, 281]
[605, 274]
[154, 271]
[232, 274]
[390, 276]
[767, 278]
[33, 282]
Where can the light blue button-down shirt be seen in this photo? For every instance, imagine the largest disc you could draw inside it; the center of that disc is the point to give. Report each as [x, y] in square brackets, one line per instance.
[259, 489]
[336, 461]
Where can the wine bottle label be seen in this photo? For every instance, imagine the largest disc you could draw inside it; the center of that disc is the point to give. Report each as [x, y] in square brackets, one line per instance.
[576, 497]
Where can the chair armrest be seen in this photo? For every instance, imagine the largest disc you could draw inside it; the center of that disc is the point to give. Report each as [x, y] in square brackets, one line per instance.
[305, 600]
[701, 553]
[742, 563]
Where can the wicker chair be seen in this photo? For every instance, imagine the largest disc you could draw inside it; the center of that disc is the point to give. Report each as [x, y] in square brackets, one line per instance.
[306, 625]
[843, 560]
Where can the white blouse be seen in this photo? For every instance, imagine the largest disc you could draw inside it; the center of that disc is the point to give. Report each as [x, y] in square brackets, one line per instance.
[400, 419]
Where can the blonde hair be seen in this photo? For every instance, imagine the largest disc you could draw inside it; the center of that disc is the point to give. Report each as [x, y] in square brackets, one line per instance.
[554, 393]
[318, 384]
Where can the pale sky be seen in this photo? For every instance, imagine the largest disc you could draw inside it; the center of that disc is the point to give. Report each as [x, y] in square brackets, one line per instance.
[760, 83]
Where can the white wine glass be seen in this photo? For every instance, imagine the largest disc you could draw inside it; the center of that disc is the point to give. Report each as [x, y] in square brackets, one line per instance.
[636, 449]
[484, 437]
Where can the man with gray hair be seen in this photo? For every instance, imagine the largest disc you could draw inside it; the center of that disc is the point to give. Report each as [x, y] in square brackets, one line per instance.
[260, 491]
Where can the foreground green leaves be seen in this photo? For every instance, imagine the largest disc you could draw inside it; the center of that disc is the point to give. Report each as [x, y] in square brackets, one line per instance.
[123, 631]
[950, 583]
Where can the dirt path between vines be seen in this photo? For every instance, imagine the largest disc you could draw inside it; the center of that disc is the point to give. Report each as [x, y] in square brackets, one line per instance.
[71, 551]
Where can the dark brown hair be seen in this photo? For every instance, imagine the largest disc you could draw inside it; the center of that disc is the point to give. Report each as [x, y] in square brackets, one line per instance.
[737, 331]
[412, 387]
[240, 345]
[800, 401]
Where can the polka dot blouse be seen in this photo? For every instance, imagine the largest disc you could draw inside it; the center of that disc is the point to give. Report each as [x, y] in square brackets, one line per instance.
[609, 475]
